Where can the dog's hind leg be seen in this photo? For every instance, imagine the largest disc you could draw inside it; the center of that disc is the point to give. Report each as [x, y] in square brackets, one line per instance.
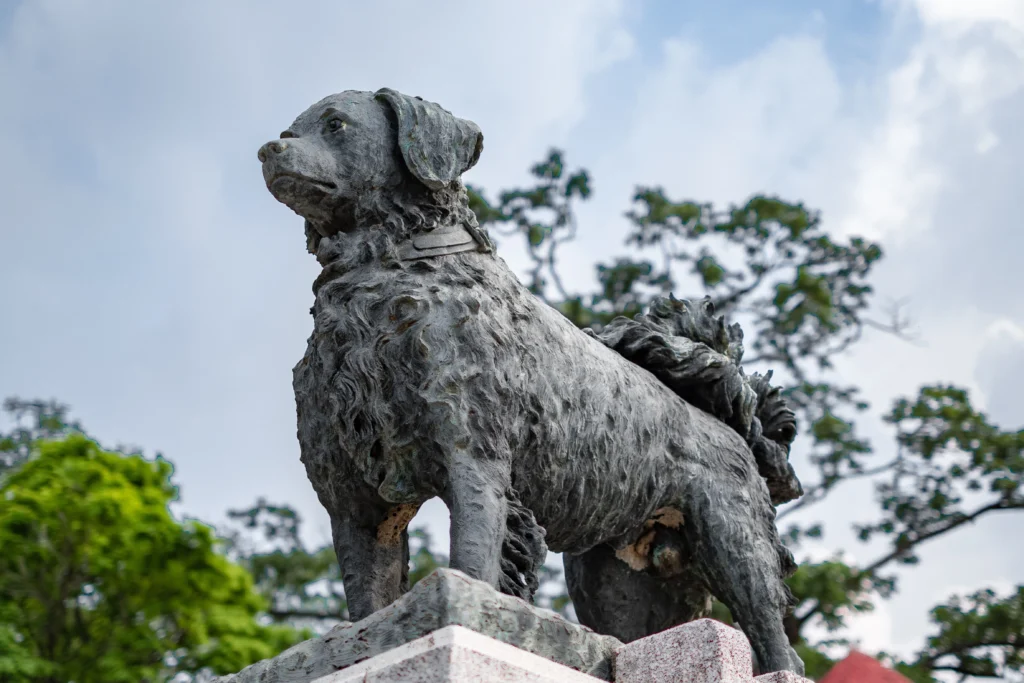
[478, 506]
[616, 600]
[730, 524]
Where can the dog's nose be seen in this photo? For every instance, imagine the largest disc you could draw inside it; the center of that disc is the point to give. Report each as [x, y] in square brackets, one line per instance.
[272, 147]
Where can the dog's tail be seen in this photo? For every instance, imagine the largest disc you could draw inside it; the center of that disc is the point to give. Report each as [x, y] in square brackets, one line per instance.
[523, 552]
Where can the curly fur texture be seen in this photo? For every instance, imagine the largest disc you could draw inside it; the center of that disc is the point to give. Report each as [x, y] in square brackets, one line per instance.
[698, 356]
[386, 451]
[523, 551]
[406, 216]
[445, 377]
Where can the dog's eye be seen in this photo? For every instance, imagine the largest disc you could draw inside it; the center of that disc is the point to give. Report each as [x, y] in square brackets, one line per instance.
[334, 125]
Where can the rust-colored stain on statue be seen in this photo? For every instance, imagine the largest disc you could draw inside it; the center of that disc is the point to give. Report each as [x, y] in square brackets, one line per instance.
[389, 532]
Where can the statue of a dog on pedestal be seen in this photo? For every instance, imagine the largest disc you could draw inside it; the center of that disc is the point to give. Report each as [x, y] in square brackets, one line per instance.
[432, 372]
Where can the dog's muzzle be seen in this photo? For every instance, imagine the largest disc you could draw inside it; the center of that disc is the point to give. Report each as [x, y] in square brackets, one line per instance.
[292, 159]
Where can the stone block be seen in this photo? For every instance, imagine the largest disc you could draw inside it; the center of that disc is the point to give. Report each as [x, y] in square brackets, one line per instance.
[703, 651]
[457, 655]
[445, 598]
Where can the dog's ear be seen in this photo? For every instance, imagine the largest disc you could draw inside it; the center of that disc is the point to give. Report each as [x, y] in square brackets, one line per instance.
[437, 147]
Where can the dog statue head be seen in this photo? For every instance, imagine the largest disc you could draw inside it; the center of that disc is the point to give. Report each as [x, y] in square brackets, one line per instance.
[383, 160]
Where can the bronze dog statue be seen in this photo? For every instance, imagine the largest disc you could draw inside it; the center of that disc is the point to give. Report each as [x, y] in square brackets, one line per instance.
[433, 372]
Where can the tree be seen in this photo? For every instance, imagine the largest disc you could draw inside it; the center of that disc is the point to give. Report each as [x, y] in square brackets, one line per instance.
[33, 421]
[98, 582]
[302, 587]
[804, 298]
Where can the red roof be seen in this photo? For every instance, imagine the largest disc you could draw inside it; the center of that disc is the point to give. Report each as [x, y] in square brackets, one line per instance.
[860, 668]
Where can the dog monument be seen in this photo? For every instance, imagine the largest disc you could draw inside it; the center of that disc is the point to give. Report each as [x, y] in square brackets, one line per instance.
[642, 453]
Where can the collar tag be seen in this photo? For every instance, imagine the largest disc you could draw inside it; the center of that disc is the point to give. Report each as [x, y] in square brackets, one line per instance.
[439, 242]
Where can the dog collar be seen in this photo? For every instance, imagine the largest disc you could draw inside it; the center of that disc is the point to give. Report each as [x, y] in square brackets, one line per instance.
[450, 239]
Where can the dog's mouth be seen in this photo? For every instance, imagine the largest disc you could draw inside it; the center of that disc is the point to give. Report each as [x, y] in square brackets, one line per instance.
[284, 175]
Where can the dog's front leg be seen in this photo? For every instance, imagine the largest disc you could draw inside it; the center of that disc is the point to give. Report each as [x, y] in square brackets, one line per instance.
[478, 507]
[372, 546]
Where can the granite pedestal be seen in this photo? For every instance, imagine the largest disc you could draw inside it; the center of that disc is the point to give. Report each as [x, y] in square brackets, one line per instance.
[453, 628]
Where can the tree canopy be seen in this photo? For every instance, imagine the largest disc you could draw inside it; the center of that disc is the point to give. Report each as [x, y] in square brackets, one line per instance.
[98, 581]
[804, 298]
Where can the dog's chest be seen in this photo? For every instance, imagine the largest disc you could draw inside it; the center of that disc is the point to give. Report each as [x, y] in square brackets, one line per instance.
[377, 335]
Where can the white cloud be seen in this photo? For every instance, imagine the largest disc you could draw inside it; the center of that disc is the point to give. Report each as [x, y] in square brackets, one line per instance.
[938, 104]
[867, 631]
[999, 371]
[713, 128]
[897, 158]
[774, 121]
[961, 15]
[164, 292]
[1004, 328]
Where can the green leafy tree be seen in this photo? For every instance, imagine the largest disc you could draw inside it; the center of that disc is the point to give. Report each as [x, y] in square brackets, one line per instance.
[978, 635]
[31, 422]
[302, 587]
[98, 581]
[803, 298]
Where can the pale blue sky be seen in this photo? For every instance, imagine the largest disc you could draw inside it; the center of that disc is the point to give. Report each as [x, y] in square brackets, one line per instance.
[151, 282]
